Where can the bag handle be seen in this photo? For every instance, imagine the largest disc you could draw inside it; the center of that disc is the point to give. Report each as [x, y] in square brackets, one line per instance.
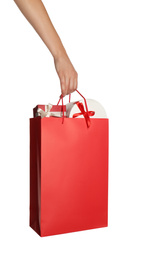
[87, 112]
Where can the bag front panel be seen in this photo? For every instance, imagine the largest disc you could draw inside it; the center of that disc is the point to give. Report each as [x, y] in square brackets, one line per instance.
[74, 175]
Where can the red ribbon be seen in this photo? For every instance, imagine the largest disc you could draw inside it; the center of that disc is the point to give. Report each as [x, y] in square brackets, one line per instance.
[84, 113]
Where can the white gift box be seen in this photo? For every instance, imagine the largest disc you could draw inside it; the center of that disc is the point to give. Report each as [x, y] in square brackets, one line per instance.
[93, 105]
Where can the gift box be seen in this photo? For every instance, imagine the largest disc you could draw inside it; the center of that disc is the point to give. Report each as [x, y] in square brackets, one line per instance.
[76, 109]
[49, 111]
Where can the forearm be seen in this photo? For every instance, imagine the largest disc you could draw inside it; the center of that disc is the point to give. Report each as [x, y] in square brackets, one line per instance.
[36, 14]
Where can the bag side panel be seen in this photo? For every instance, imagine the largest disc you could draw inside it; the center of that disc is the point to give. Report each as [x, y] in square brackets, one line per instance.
[35, 174]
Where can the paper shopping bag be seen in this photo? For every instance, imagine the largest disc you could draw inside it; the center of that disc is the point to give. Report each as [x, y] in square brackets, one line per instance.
[68, 174]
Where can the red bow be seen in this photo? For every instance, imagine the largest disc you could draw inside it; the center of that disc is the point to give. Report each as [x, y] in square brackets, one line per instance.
[84, 113]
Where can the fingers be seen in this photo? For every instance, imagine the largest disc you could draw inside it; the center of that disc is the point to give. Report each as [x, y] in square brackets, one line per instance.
[69, 84]
[67, 74]
[76, 82]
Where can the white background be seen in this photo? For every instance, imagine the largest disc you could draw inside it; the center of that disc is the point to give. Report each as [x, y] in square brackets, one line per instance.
[116, 48]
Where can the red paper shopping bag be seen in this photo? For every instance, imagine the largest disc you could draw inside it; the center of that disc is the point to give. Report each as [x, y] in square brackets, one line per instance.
[68, 174]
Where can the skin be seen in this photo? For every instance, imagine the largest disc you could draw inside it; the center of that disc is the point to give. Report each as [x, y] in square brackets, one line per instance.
[36, 14]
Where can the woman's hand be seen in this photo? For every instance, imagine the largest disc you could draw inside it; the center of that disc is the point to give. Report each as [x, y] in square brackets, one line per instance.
[67, 74]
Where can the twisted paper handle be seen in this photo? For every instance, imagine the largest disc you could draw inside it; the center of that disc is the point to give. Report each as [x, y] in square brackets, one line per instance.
[61, 98]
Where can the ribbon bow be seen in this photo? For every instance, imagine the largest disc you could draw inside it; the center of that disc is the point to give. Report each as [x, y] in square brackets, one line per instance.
[47, 112]
[84, 113]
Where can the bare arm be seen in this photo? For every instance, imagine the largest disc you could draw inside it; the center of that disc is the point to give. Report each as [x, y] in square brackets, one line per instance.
[36, 14]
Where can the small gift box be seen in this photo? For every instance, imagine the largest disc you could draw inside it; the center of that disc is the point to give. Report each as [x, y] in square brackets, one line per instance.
[49, 110]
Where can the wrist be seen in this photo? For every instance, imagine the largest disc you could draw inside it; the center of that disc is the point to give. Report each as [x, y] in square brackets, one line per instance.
[59, 52]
